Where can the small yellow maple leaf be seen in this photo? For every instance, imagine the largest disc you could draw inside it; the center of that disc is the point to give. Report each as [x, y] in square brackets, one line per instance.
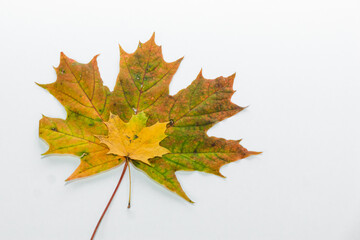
[133, 139]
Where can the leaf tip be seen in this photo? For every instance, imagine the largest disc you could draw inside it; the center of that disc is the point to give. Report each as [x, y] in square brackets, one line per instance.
[62, 55]
[184, 196]
[152, 37]
[230, 80]
[94, 59]
[46, 153]
[232, 76]
[150, 42]
[220, 174]
[122, 51]
[41, 85]
[249, 153]
[71, 178]
[200, 75]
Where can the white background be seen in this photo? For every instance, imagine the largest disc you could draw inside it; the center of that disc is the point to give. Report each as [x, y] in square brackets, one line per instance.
[298, 67]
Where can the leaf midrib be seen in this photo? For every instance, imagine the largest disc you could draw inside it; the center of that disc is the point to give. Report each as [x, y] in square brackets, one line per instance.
[67, 64]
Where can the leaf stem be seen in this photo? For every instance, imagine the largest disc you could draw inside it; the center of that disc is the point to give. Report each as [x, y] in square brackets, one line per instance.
[129, 186]
[112, 196]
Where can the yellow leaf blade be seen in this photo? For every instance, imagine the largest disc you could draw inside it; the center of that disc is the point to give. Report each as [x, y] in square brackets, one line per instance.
[133, 139]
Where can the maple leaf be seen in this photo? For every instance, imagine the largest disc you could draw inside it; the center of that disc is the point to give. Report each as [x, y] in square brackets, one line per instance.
[133, 139]
[139, 122]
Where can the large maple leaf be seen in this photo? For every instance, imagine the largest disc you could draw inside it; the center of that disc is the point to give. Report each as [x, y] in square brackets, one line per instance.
[139, 122]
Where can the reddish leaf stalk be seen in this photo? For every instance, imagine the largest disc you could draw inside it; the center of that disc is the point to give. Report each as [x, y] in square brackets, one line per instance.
[112, 196]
